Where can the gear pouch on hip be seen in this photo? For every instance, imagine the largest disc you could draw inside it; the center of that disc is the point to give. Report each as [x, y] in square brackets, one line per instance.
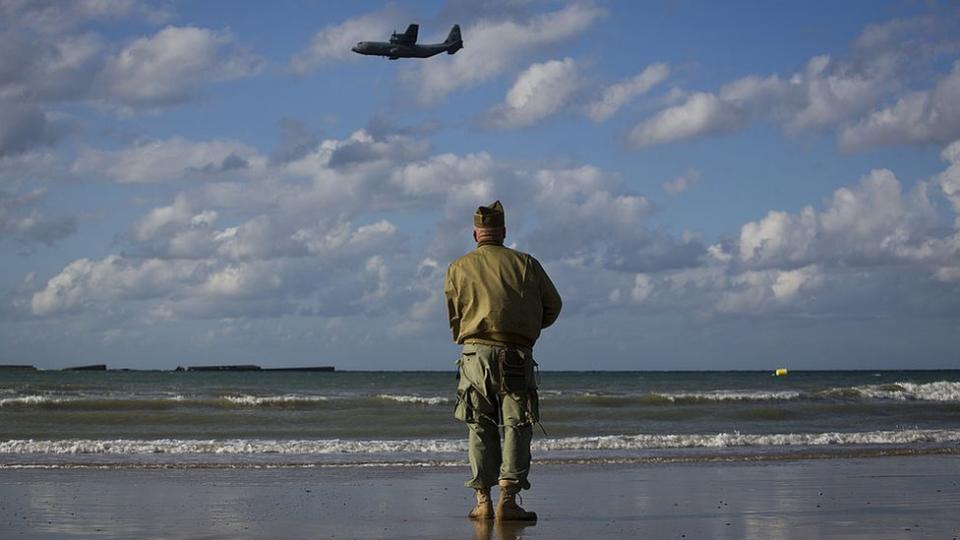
[513, 372]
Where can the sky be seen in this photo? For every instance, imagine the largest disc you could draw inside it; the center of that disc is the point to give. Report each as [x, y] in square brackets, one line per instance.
[734, 185]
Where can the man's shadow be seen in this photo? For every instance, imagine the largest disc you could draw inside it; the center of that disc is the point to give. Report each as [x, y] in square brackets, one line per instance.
[483, 529]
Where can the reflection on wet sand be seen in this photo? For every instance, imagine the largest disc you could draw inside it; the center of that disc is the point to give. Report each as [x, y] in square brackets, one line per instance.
[873, 498]
[484, 529]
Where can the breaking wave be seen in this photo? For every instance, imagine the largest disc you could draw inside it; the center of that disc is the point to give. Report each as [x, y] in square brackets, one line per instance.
[433, 446]
[27, 401]
[902, 391]
[941, 391]
[416, 399]
[736, 439]
[60, 401]
[123, 402]
[727, 395]
[260, 401]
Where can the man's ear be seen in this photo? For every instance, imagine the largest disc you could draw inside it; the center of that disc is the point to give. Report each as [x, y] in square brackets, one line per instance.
[475, 236]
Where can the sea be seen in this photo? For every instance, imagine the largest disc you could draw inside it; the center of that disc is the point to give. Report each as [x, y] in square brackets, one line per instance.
[133, 419]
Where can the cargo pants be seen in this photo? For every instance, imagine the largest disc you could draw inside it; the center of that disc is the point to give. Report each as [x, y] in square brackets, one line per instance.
[497, 388]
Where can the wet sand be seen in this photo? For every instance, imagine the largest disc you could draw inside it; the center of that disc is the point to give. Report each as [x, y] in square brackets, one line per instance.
[891, 497]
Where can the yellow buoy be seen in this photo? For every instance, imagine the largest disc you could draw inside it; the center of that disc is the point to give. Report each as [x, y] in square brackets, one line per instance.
[780, 372]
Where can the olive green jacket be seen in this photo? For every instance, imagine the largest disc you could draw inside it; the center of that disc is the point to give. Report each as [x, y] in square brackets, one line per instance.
[498, 294]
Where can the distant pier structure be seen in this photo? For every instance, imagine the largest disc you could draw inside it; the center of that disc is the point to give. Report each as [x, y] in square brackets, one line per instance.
[91, 367]
[245, 367]
[227, 367]
[252, 367]
[313, 368]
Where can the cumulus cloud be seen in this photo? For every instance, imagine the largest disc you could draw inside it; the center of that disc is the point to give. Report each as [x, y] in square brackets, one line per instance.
[870, 223]
[587, 215]
[22, 221]
[827, 94]
[493, 46]
[682, 183]
[343, 239]
[701, 114]
[540, 91]
[179, 213]
[874, 248]
[883, 35]
[45, 68]
[332, 44]
[615, 96]
[25, 127]
[170, 66]
[166, 68]
[168, 160]
[20, 171]
[49, 62]
[242, 272]
[334, 237]
[55, 16]
[931, 116]
[328, 219]
[642, 288]
[84, 282]
[290, 219]
[769, 290]
[363, 148]
[949, 179]
[240, 281]
[471, 176]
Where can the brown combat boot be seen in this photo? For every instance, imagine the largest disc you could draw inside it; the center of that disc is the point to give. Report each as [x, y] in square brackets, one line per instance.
[507, 508]
[484, 507]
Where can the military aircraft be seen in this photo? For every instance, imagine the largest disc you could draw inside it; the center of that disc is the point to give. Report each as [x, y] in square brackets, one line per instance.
[405, 45]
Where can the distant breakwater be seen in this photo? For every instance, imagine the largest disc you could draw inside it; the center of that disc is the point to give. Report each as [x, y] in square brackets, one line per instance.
[217, 368]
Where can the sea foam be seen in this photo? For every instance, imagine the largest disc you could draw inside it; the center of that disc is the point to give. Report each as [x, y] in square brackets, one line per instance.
[436, 400]
[945, 391]
[934, 391]
[286, 399]
[729, 395]
[433, 446]
[27, 401]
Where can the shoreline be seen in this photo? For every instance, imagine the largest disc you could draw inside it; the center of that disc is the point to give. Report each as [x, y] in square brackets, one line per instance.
[884, 497]
[653, 460]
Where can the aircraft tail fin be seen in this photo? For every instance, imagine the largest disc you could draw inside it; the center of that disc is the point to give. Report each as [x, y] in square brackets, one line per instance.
[411, 34]
[407, 38]
[454, 41]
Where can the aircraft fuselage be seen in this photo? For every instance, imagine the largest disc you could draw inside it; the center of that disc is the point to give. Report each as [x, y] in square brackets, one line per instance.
[398, 50]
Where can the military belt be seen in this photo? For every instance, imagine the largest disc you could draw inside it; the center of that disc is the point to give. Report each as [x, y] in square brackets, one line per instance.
[496, 343]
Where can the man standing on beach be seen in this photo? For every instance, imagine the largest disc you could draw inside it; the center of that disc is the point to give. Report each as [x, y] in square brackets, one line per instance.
[498, 300]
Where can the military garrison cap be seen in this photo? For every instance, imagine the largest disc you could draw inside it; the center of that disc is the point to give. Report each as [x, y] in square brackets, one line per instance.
[489, 217]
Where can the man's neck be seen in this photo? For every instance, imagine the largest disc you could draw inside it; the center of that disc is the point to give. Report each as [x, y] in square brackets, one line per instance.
[490, 243]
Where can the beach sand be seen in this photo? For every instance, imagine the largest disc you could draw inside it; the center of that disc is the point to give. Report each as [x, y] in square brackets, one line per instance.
[889, 497]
